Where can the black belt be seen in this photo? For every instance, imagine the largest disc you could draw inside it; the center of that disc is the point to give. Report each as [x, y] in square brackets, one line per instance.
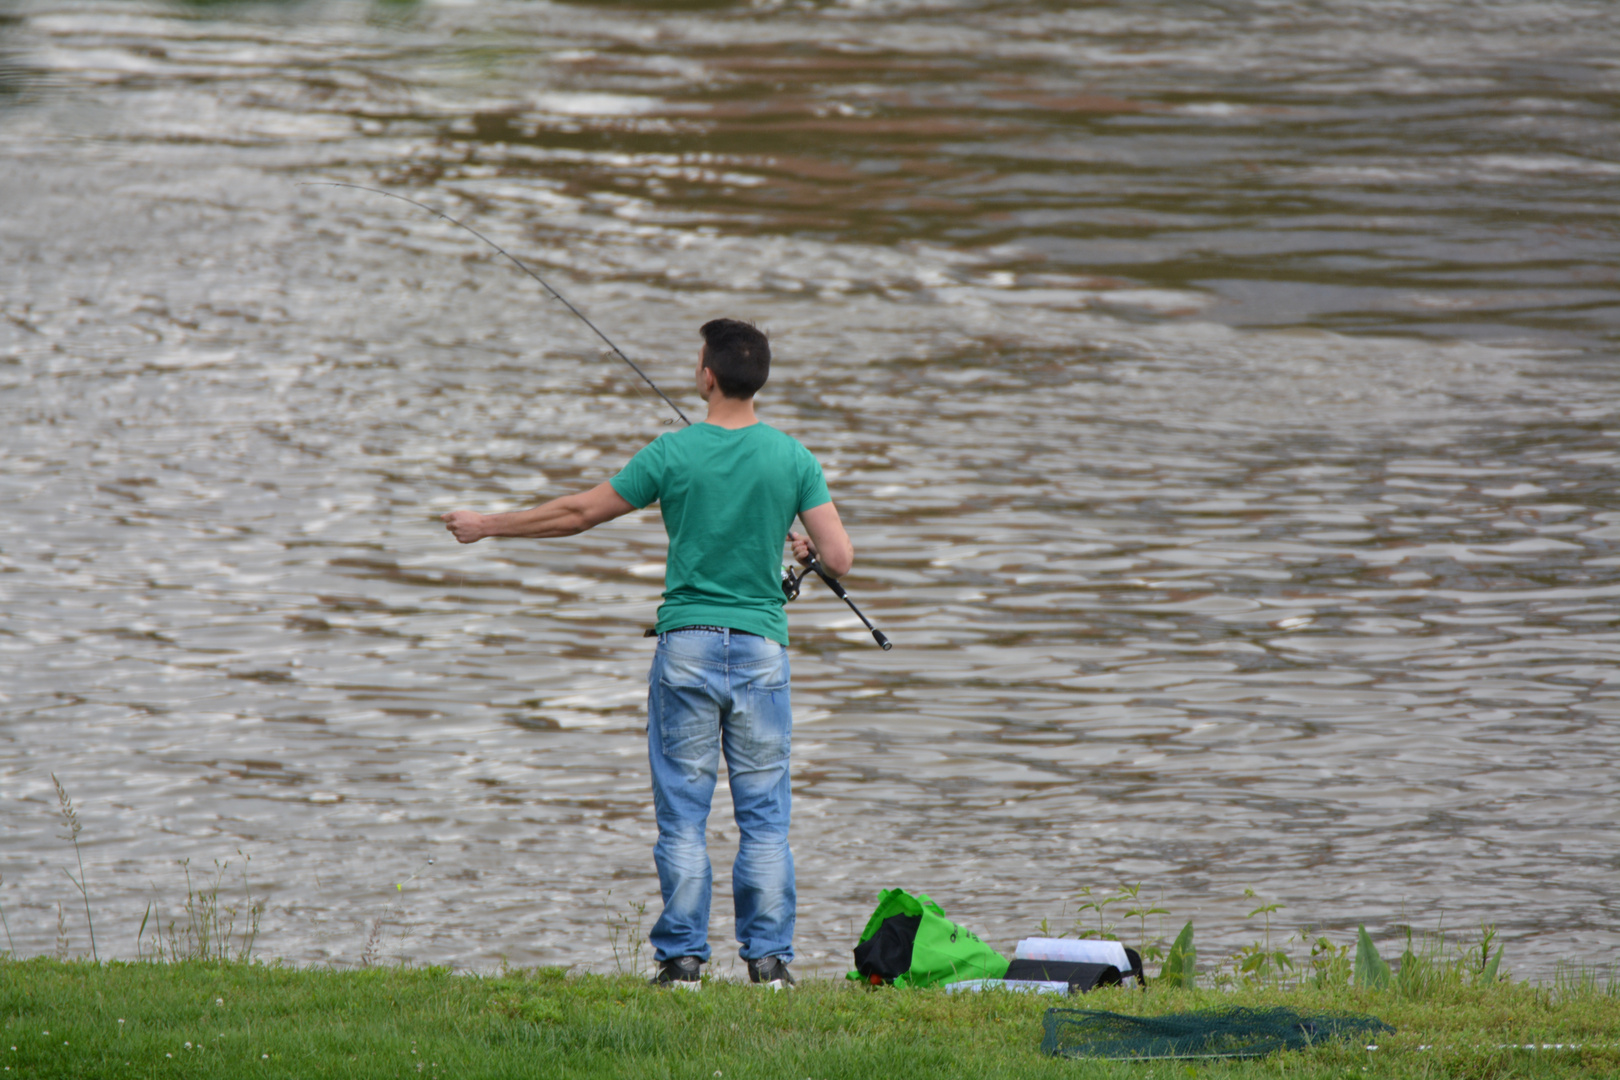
[710, 629]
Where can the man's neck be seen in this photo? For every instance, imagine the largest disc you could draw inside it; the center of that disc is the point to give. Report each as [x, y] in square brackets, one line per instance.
[731, 413]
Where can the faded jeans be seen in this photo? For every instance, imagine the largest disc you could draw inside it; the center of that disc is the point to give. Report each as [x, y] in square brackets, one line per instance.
[711, 693]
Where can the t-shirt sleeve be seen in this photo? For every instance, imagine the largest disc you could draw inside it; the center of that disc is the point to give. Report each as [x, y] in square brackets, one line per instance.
[642, 478]
[812, 484]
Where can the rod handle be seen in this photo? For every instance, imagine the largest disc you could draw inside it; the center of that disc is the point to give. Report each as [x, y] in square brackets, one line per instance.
[882, 639]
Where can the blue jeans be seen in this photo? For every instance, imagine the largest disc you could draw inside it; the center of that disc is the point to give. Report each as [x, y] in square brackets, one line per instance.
[710, 693]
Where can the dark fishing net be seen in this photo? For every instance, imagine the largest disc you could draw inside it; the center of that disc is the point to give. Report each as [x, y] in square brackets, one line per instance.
[1221, 1033]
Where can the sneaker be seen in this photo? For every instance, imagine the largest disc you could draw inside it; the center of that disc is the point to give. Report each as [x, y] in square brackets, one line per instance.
[770, 970]
[682, 972]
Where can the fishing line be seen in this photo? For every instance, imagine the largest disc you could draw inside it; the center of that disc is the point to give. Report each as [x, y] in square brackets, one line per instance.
[791, 583]
[399, 886]
[519, 264]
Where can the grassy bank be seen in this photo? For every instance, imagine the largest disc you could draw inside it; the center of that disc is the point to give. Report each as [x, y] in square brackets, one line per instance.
[79, 1019]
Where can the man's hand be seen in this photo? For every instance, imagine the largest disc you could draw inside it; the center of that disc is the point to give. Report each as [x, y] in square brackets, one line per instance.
[802, 548]
[827, 541]
[467, 526]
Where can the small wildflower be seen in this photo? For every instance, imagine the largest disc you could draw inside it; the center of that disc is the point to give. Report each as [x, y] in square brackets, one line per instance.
[265, 1056]
[219, 1001]
[188, 1046]
[168, 1055]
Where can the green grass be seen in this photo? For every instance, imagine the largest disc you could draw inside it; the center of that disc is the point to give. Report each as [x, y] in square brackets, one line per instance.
[255, 1020]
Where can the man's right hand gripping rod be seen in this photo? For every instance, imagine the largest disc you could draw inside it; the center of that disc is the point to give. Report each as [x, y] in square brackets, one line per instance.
[791, 583]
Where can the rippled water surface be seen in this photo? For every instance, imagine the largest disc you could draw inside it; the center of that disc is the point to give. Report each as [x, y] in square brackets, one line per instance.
[1220, 396]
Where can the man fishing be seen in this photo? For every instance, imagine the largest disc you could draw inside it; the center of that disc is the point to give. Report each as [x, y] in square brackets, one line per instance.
[728, 490]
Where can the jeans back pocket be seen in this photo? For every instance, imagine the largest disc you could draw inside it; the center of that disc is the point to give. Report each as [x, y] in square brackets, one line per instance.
[761, 729]
[688, 714]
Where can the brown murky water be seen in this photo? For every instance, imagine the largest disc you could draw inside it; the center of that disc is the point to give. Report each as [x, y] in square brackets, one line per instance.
[1221, 398]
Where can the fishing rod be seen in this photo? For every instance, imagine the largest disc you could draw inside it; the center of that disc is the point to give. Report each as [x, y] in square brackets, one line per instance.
[790, 582]
[517, 263]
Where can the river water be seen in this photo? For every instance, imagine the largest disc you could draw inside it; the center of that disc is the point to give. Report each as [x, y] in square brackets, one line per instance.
[1221, 398]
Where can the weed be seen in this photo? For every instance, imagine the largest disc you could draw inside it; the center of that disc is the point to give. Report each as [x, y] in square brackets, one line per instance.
[11, 946]
[1180, 966]
[369, 954]
[1572, 981]
[1427, 968]
[625, 936]
[1330, 963]
[1372, 973]
[397, 915]
[1087, 901]
[1140, 910]
[1258, 964]
[207, 931]
[70, 816]
[1488, 961]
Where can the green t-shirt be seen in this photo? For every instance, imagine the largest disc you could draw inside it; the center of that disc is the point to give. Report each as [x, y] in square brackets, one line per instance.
[728, 498]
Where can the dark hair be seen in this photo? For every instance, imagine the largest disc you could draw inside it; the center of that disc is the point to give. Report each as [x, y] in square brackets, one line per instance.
[739, 355]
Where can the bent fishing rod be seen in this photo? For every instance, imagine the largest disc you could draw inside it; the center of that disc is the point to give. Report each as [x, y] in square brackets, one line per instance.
[791, 582]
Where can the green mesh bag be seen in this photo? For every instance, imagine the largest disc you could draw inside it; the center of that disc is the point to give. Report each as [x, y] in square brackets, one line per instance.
[1221, 1033]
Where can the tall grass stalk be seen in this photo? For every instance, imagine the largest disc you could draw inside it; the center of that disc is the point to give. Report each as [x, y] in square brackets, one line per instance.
[71, 817]
[625, 936]
[209, 925]
[11, 946]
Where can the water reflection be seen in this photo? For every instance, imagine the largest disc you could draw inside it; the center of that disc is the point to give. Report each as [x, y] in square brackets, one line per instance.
[1222, 415]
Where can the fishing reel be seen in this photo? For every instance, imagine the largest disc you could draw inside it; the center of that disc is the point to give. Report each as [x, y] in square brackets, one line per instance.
[792, 580]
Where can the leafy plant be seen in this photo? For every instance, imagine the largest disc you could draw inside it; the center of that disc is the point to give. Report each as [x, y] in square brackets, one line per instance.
[1140, 910]
[1489, 961]
[1098, 905]
[1179, 965]
[1258, 963]
[1330, 963]
[1372, 972]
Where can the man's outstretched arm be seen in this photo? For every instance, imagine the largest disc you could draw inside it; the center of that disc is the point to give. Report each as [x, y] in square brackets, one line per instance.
[560, 517]
[827, 539]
